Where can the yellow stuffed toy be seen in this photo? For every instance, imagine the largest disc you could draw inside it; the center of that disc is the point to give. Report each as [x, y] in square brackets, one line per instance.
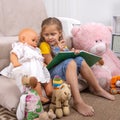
[60, 98]
[115, 85]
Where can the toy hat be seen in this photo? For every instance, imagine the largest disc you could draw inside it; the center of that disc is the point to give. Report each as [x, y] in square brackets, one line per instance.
[57, 81]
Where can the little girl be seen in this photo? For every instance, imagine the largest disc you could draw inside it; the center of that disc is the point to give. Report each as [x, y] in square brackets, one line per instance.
[51, 44]
[26, 59]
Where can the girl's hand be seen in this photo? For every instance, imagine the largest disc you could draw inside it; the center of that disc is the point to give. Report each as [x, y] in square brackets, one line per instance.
[101, 62]
[61, 44]
[75, 50]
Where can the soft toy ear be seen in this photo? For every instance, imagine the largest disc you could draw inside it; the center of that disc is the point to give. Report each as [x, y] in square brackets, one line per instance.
[74, 30]
[110, 28]
[62, 86]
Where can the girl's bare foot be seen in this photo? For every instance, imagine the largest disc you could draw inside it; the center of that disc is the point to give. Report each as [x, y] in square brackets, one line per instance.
[84, 109]
[44, 100]
[101, 92]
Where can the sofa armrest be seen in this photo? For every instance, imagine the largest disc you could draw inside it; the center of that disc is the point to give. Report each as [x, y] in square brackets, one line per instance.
[68, 24]
[5, 47]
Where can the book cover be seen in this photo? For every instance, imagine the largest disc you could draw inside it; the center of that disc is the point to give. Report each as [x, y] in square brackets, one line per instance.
[90, 58]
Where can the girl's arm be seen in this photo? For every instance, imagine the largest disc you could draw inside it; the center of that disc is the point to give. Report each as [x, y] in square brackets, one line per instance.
[47, 58]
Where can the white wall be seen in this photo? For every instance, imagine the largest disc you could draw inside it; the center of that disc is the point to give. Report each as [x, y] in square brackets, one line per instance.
[84, 10]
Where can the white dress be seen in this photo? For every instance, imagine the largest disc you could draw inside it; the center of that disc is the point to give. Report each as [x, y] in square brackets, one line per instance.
[32, 64]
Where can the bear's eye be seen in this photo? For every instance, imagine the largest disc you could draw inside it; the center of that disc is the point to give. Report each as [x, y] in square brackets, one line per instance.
[96, 41]
[100, 40]
[65, 93]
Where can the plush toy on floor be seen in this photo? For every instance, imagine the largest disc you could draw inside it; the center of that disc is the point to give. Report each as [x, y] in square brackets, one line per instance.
[60, 98]
[115, 85]
[96, 38]
[30, 106]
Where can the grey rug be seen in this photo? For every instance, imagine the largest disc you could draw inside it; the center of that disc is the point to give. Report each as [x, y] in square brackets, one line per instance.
[104, 109]
[6, 115]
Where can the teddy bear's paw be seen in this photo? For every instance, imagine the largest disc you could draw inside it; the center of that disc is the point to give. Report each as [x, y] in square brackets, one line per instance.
[51, 114]
[59, 113]
[66, 111]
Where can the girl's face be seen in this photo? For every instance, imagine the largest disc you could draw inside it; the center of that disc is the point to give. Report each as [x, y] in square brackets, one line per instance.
[51, 34]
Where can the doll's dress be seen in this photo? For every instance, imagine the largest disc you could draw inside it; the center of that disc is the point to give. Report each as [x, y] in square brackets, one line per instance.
[32, 64]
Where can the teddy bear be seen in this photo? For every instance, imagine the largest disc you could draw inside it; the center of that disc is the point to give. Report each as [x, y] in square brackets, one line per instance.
[115, 85]
[60, 98]
[96, 38]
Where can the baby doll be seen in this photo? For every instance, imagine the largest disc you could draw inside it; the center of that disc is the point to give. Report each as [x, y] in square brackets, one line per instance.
[26, 59]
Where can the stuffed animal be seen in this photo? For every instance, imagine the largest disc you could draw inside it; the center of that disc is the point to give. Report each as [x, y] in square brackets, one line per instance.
[29, 81]
[46, 116]
[96, 38]
[30, 106]
[60, 98]
[115, 85]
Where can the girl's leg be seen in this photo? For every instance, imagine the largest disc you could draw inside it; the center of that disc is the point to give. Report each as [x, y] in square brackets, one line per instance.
[48, 89]
[38, 89]
[72, 79]
[88, 75]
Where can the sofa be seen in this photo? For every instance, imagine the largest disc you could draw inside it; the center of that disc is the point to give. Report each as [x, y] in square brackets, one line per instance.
[18, 14]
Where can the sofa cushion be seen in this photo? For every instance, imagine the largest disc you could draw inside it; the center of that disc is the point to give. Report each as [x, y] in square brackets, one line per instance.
[18, 14]
[9, 93]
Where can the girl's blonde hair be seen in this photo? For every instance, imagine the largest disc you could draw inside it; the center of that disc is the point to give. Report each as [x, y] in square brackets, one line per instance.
[51, 21]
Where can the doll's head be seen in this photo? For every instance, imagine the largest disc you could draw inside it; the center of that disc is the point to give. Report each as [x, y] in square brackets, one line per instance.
[28, 36]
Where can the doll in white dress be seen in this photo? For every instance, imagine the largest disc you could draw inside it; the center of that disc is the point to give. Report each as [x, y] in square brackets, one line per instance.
[26, 59]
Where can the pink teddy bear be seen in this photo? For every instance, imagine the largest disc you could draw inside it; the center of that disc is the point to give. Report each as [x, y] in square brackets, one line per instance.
[96, 38]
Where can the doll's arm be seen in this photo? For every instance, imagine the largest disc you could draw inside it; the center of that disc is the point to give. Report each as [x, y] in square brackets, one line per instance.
[14, 60]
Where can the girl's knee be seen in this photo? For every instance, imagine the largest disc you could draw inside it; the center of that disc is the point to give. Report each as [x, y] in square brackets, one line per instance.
[72, 63]
[84, 63]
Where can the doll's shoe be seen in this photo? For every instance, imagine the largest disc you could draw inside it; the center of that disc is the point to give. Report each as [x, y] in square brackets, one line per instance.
[29, 81]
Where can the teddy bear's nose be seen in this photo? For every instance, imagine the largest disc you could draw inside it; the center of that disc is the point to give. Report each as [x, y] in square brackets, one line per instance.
[98, 41]
[101, 48]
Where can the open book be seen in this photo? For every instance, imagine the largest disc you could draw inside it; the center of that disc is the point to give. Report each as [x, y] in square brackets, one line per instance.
[90, 58]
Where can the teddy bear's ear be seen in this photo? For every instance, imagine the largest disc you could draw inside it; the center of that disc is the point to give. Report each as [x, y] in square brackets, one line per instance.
[74, 30]
[110, 28]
